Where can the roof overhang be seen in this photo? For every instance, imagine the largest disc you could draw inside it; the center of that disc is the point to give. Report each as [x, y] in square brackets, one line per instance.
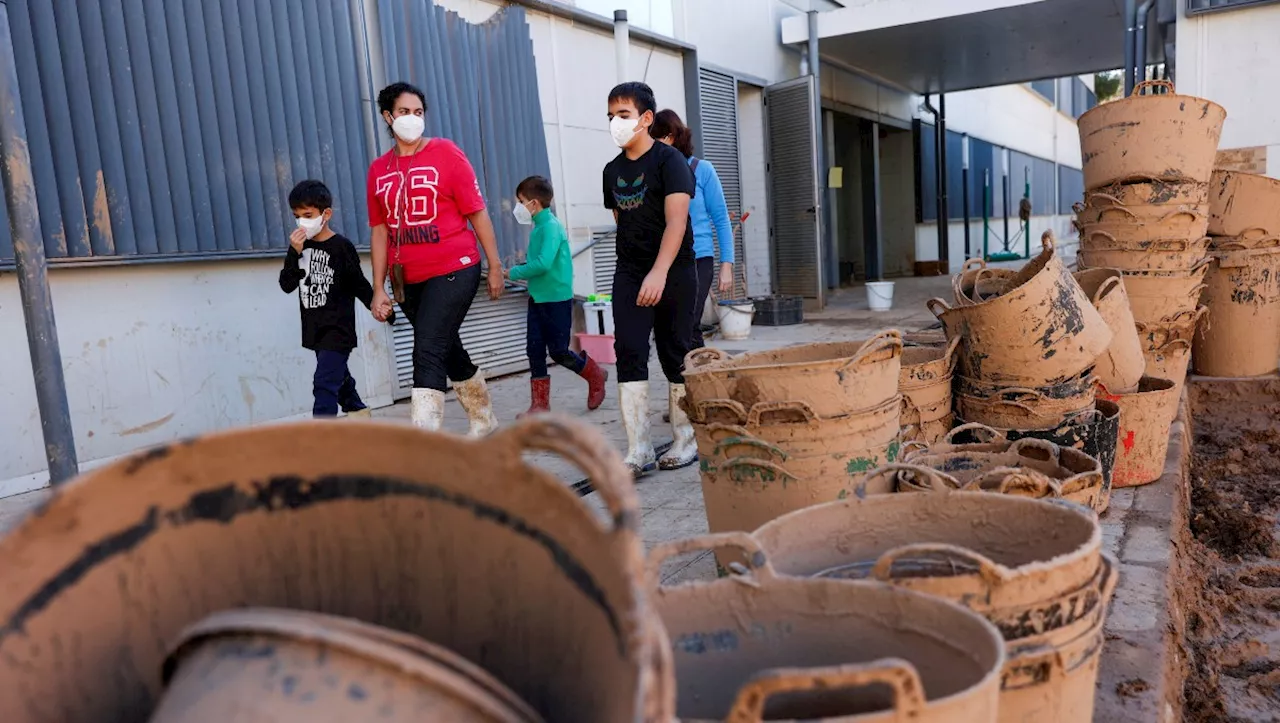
[927, 46]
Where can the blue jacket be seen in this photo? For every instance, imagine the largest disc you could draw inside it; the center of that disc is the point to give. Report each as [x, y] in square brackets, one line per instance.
[707, 209]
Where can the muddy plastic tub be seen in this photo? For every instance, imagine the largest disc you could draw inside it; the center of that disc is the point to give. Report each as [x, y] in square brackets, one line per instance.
[1118, 227]
[795, 429]
[1042, 330]
[429, 534]
[1242, 338]
[978, 282]
[268, 664]
[833, 378]
[1095, 432]
[925, 383]
[1099, 250]
[1154, 195]
[1143, 137]
[1100, 206]
[1029, 467]
[1156, 296]
[991, 552]
[1145, 419]
[1024, 407]
[1243, 203]
[760, 646]
[1121, 365]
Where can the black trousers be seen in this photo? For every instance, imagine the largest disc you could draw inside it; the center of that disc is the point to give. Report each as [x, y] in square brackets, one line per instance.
[670, 323]
[436, 308]
[550, 325]
[706, 276]
[333, 386]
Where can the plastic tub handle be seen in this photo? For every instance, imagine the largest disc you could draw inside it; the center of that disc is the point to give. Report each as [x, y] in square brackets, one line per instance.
[992, 573]
[894, 673]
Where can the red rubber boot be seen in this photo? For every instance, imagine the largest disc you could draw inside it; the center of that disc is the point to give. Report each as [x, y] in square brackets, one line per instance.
[540, 396]
[596, 377]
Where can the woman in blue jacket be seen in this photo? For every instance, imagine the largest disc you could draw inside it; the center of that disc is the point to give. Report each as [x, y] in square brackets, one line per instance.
[707, 210]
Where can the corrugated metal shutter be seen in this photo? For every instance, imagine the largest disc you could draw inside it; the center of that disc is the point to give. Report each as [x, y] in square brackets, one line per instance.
[493, 334]
[604, 259]
[482, 92]
[168, 129]
[793, 187]
[719, 94]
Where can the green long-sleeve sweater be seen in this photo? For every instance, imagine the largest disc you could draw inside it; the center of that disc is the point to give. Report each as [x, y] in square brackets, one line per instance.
[549, 269]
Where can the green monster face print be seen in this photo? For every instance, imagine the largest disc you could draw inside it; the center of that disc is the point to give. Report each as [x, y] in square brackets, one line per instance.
[630, 196]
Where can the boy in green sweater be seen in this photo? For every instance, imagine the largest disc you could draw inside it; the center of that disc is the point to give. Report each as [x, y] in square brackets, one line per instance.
[549, 274]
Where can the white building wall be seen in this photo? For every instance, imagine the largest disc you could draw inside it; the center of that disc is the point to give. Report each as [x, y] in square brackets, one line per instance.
[162, 352]
[1230, 58]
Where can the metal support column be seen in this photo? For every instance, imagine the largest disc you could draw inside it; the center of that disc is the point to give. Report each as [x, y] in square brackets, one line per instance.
[964, 191]
[33, 278]
[825, 243]
[945, 251]
[872, 218]
[1130, 13]
[621, 44]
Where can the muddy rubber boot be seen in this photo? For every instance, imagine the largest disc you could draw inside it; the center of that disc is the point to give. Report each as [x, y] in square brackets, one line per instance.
[596, 377]
[426, 409]
[539, 397]
[633, 398]
[473, 395]
[684, 450]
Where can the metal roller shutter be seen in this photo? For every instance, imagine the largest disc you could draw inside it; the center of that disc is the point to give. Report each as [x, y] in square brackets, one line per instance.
[793, 188]
[493, 334]
[604, 258]
[719, 94]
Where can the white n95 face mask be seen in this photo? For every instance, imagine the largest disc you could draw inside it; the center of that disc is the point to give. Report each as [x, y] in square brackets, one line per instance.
[522, 214]
[409, 128]
[311, 226]
[622, 130]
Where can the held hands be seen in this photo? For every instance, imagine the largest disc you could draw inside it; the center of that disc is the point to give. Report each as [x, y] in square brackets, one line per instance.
[380, 307]
[725, 285]
[297, 238]
[651, 290]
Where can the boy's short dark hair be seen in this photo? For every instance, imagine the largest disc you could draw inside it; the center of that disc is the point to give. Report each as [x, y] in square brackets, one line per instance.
[638, 93]
[311, 194]
[536, 188]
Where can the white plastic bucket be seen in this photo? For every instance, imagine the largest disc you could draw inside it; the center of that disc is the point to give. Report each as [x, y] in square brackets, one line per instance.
[599, 317]
[880, 295]
[735, 318]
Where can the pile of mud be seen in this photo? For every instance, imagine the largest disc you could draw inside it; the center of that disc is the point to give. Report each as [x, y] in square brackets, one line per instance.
[1231, 589]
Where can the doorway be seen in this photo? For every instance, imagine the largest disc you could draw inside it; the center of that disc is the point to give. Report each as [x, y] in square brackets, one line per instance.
[872, 194]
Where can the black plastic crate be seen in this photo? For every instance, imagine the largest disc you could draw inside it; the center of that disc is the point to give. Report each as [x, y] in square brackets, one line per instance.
[778, 310]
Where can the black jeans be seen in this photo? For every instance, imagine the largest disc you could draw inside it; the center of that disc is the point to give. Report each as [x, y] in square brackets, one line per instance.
[550, 325]
[670, 323]
[333, 386]
[706, 276]
[436, 308]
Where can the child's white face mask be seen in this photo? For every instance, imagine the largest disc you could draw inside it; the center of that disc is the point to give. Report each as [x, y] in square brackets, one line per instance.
[623, 129]
[311, 226]
[523, 216]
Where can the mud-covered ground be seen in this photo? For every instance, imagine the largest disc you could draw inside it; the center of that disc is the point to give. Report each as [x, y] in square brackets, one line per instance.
[1233, 593]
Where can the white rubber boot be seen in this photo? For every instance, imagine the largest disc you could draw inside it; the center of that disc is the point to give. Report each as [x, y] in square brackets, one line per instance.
[633, 398]
[684, 450]
[473, 395]
[426, 409]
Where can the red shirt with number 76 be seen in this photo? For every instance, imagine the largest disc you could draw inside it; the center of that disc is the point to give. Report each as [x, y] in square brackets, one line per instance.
[424, 199]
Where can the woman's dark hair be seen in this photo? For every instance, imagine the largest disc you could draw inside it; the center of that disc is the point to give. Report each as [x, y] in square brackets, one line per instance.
[667, 123]
[388, 96]
[311, 194]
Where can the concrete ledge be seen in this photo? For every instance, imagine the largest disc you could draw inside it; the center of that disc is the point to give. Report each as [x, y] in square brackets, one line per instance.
[1142, 669]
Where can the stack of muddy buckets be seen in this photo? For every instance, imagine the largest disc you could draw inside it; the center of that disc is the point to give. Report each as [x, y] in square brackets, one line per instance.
[1034, 568]
[1029, 342]
[1242, 287]
[1147, 165]
[319, 572]
[783, 429]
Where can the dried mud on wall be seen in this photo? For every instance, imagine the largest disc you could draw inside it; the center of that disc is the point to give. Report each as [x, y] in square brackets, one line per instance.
[1231, 561]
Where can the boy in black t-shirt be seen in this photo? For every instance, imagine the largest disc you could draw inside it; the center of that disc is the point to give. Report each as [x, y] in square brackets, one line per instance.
[648, 187]
[325, 269]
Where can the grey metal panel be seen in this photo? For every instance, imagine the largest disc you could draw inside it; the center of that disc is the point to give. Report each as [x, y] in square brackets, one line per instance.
[793, 187]
[604, 260]
[719, 97]
[1199, 7]
[180, 127]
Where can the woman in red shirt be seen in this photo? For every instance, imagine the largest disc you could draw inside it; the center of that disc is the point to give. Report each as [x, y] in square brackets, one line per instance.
[427, 213]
